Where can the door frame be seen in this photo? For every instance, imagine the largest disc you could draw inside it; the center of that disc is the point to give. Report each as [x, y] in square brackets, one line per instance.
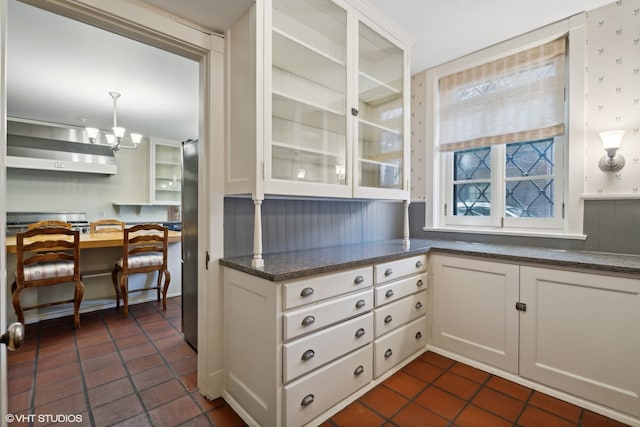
[143, 23]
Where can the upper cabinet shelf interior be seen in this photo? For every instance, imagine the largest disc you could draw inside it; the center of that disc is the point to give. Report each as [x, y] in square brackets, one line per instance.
[322, 109]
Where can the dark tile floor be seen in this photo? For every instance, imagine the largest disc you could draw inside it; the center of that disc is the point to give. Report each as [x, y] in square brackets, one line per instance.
[139, 371]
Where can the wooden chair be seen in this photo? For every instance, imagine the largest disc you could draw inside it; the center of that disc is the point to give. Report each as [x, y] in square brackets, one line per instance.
[144, 250]
[47, 256]
[48, 223]
[106, 226]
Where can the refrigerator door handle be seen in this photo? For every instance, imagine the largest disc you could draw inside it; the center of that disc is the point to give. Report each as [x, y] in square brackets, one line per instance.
[207, 259]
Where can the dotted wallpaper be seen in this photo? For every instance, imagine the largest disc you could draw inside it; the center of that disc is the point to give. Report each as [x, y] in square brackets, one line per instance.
[418, 132]
[613, 95]
[612, 102]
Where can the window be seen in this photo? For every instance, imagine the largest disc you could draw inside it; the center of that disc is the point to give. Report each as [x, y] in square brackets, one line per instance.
[502, 141]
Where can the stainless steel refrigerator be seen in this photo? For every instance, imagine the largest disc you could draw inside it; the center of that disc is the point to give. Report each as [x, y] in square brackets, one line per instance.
[190, 241]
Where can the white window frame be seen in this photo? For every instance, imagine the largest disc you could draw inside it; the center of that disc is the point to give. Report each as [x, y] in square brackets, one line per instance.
[569, 151]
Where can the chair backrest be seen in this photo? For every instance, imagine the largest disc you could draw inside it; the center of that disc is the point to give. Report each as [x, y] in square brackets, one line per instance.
[106, 226]
[150, 240]
[48, 223]
[44, 248]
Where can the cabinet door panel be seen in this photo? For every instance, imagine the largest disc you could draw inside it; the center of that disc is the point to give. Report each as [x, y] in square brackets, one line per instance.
[474, 311]
[581, 334]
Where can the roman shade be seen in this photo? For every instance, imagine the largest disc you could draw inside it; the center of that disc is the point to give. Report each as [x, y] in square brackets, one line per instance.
[516, 98]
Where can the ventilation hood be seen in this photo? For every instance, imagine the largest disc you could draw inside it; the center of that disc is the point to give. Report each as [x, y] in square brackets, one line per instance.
[49, 146]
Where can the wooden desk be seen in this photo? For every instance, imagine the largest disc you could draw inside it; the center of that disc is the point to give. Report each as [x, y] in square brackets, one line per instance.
[99, 240]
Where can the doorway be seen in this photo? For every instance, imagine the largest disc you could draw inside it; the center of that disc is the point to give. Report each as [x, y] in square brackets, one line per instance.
[132, 22]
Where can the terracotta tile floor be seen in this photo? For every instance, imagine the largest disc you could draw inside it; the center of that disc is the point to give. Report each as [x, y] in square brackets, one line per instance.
[139, 371]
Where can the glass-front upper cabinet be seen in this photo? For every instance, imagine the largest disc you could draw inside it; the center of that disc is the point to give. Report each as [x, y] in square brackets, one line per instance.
[317, 101]
[381, 113]
[166, 170]
[309, 92]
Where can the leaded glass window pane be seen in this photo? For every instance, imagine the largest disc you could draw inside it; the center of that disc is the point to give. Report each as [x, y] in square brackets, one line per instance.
[472, 187]
[529, 172]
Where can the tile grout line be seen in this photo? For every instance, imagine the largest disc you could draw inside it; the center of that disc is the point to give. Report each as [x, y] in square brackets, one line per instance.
[85, 390]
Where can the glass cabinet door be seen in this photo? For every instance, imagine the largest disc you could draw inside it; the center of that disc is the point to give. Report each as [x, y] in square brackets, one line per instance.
[380, 111]
[309, 91]
[167, 170]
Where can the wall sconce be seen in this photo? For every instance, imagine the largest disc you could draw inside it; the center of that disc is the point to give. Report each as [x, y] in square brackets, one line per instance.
[612, 162]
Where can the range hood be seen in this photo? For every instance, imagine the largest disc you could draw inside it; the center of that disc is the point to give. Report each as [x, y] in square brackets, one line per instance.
[49, 146]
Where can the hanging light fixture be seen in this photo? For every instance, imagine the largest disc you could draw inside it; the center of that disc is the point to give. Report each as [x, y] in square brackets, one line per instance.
[114, 139]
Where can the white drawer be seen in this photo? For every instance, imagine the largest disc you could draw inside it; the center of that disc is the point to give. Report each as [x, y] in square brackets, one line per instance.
[317, 316]
[310, 396]
[396, 269]
[399, 289]
[318, 288]
[390, 316]
[397, 345]
[312, 351]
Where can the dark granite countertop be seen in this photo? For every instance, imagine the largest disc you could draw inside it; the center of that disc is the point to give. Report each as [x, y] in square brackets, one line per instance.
[307, 262]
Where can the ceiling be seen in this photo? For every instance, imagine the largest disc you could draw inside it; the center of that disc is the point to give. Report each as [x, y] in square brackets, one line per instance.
[61, 70]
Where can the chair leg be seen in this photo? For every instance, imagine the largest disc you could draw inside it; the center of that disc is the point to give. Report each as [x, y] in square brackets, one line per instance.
[167, 280]
[16, 293]
[158, 284]
[125, 294]
[114, 280]
[77, 299]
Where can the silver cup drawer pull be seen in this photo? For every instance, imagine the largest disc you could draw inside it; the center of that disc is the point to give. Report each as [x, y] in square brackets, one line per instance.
[360, 303]
[388, 272]
[306, 292]
[418, 305]
[359, 370]
[419, 283]
[418, 263]
[358, 280]
[389, 293]
[388, 319]
[308, 355]
[388, 353]
[359, 332]
[308, 320]
[308, 400]
[418, 335]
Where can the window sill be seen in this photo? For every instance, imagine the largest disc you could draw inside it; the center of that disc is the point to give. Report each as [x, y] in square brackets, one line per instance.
[508, 232]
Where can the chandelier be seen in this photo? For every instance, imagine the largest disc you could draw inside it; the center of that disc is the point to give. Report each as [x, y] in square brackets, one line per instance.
[114, 140]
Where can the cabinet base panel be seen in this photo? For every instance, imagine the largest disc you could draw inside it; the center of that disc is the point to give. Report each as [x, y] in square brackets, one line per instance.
[586, 404]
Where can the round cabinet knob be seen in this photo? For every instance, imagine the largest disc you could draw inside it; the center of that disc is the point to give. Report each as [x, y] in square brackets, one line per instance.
[388, 319]
[388, 272]
[308, 355]
[307, 292]
[419, 283]
[308, 400]
[359, 370]
[359, 332]
[389, 293]
[358, 280]
[308, 320]
[360, 303]
[418, 263]
[418, 305]
[388, 353]
[418, 335]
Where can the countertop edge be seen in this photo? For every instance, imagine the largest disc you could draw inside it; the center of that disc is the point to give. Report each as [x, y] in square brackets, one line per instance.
[597, 262]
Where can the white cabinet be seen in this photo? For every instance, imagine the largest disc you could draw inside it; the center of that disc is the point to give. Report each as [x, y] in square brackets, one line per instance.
[573, 331]
[474, 309]
[400, 312]
[581, 334]
[166, 173]
[318, 101]
[296, 349]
